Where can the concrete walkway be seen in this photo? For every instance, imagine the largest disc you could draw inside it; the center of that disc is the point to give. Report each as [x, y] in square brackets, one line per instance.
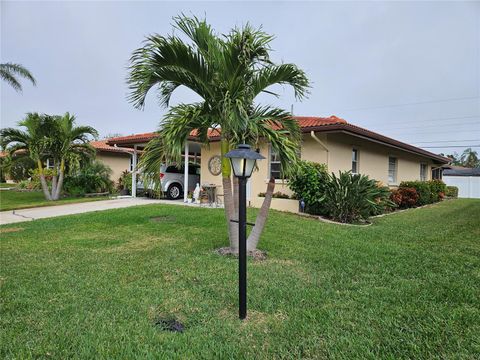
[10, 217]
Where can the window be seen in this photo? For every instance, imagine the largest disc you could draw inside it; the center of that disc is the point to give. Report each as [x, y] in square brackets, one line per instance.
[354, 161]
[437, 173]
[131, 163]
[392, 170]
[50, 163]
[275, 165]
[423, 172]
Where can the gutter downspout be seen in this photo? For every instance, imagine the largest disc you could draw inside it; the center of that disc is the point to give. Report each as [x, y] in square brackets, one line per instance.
[314, 137]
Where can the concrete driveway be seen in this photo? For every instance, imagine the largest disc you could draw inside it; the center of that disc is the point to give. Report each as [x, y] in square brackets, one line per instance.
[10, 217]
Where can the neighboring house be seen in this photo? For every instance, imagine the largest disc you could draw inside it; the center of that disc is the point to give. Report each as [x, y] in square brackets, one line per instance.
[332, 141]
[117, 158]
[466, 179]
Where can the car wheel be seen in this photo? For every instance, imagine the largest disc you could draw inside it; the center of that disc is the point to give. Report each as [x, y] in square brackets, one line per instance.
[174, 191]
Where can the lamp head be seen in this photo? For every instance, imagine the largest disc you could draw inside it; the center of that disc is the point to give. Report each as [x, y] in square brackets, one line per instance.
[243, 160]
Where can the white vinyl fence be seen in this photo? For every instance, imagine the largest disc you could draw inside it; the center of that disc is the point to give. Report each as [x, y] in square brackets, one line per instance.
[468, 186]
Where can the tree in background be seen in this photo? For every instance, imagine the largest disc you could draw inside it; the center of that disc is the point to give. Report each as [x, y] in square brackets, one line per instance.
[10, 72]
[227, 72]
[469, 158]
[52, 138]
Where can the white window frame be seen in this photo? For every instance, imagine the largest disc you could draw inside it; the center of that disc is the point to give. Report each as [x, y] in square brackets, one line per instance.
[130, 166]
[270, 154]
[423, 172]
[395, 176]
[356, 160]
[50, 164]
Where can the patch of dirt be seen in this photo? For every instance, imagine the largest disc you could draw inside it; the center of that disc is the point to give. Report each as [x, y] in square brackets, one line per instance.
[169, 324]
[255, 254]
[10, 230]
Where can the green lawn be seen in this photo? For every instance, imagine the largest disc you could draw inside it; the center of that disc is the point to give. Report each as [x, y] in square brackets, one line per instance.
[5, 185]
[11, 200]
[92, 286]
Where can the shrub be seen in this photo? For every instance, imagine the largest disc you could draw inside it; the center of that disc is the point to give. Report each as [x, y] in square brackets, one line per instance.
[308, 182]
[428, 191]
[423, 191]
[93, 178]
[125, 181]
[451, 191]
[276, 195]
[404, 197]
[437, 189]
[353, 197]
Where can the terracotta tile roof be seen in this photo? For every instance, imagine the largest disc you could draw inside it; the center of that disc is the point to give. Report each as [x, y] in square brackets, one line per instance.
[135, 138]
[102, 145]
[307, 124]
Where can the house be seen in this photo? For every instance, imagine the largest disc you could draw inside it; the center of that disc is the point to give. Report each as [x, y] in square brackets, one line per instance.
[329, 140]
[467, 180]
[117, 158]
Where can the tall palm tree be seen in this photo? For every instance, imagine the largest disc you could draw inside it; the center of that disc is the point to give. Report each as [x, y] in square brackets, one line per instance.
[48, 137]
[227, 72]
[9, 72]
[70, 140]
[469, 158]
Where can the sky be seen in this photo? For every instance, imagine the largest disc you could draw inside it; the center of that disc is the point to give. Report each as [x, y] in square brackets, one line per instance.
[408, 70]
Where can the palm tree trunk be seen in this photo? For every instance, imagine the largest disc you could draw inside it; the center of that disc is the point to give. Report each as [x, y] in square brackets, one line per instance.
[228, 197]
[46, 192]
[257, 230]
[54, 186]
[58, 190]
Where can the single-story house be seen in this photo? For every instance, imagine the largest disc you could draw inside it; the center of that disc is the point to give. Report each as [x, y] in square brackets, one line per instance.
[329, 140]
[117, 158]
[466, 179]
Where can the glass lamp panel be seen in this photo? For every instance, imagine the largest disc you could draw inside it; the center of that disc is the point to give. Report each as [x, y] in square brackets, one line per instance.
[238, 165]
[250, 164]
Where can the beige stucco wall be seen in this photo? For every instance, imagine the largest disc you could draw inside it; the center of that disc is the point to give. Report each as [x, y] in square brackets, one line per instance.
[117, 162]
[373, 161]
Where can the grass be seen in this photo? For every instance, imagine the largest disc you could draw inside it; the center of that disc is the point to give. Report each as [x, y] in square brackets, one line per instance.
[93, 285]
[6, 185]
[13, 200]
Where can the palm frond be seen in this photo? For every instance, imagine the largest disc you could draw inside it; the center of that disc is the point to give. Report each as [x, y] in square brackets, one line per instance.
[9, 71]
[166, 62]
[284, 74]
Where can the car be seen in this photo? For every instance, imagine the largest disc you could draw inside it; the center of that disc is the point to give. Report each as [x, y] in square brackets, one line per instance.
[172, 180]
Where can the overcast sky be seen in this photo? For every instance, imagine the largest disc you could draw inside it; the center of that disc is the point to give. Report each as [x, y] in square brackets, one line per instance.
[407, 70]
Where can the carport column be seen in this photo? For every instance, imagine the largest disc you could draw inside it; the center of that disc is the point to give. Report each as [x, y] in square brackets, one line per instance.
[185, 179]
[134, 172]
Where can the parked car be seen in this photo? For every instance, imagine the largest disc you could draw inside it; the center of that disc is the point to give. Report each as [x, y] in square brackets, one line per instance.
[171, 178]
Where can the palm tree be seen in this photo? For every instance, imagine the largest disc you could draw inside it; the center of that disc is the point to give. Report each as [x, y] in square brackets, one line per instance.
[70, 141]
[9, 73]
[469, 158]
[48, 137]
[227, 72]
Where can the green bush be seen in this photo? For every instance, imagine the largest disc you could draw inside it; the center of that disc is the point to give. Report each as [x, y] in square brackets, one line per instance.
[93, 178]
[308, 182]
[353, 197]
[428, 191]
[423, 191]
[451, 191]
[437, 189]
[276, 195]
[125, 181]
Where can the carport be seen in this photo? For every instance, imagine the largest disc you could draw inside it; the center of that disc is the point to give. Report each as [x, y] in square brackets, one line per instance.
[137, 142]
